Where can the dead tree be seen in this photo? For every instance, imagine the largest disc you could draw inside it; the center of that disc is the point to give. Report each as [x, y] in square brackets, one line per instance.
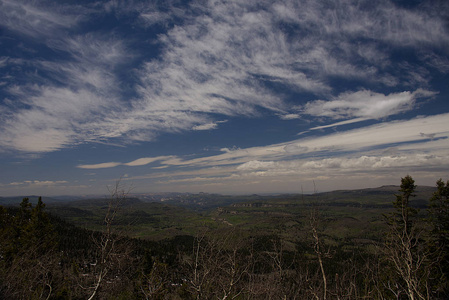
[106, 244]
[320, 252]
[404, 247]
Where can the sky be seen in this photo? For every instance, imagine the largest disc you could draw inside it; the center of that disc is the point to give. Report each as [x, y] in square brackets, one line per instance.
[231, 97]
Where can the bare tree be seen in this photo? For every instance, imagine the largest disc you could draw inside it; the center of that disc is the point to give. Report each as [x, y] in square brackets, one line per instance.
[219, 265]
[106, 244]
[154, 283]
[404, 247]
[320, 252]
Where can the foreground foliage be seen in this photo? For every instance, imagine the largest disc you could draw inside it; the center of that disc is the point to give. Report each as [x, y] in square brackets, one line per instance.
[44, 257]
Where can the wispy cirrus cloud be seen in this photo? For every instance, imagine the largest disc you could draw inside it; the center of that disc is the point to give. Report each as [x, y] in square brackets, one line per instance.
[38, 183]
[149, 13]
[380, 136]
[146, 161]
[223, 58]
[69, 100]
[375, 145]
[208, 126]
[38, 20]
[363, 105]
[138, 162]
[44, 187]
[100, 165]
[378, 151]
[220, 60]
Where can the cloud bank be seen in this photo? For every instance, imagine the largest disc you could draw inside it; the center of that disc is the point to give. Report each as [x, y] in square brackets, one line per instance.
[418, 144]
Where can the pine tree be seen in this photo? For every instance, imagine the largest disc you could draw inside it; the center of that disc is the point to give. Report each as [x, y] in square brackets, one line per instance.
[28, 248]
[405, 248]
[439, 242]
[405, 215]
[439, 213]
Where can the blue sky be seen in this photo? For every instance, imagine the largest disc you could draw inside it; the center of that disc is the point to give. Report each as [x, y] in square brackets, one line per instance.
[222, 96]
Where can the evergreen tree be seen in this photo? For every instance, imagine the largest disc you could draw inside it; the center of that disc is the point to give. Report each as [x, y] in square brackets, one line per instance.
[405, 248]
[439, 243]
[24, 212]
[404, 215]
[439, 214]
[40, 226]
[28, 245]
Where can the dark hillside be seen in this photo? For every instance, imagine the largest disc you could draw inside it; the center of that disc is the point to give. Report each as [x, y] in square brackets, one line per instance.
[348, 244]
[136, 218]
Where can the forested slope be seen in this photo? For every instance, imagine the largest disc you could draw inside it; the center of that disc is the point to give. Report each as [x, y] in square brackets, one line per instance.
[251, 250]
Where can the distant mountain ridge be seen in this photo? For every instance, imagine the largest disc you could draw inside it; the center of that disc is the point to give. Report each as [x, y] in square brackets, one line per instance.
[209, 201]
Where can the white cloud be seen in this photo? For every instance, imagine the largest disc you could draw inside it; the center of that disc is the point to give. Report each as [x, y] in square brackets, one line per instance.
[381, 152]
[346, 122]
[135, 163]
[408, 136]
[36, 20]
[218, 61]
[3, 61]
[225, 58]
[146, 160]
[38, 183]
[44, 188]
[364, 105]
[363, 150]
[343, 165]
[256, 165]
[230, 150]
[295, 149]
[290, 116]
[207, 126]
[381, 135]
[100, 166]
[286, 175]
[49, 117]
[440, 63]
